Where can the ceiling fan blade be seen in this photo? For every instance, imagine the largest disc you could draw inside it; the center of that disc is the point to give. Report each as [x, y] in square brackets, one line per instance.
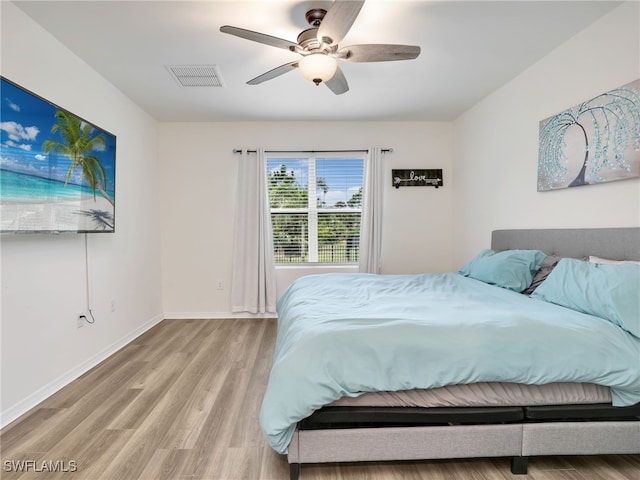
[259, 37]
[276, 72]
[338, 20]
[338, 83]
[378, 52]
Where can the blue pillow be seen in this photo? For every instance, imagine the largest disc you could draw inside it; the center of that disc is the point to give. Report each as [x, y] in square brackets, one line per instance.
[510, 269]
[611, 292]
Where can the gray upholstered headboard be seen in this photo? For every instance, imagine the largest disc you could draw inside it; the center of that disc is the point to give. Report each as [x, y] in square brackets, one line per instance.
[612, 243]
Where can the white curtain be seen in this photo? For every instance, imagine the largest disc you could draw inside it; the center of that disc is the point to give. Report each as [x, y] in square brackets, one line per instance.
[371, 226]
[253, 287]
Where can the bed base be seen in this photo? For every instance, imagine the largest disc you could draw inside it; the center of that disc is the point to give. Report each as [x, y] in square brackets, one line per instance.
[362, 417]
[353, 434]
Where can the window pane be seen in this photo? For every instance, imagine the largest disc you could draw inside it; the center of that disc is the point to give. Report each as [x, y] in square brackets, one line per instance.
[315, 207]
[339, 182]
[338, 237]
[290, 237]
[288, 181]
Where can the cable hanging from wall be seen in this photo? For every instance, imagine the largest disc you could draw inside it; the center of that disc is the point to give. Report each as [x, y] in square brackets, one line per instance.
[91, 318]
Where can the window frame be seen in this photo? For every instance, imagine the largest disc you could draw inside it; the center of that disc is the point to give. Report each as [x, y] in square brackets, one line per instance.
[312, 210]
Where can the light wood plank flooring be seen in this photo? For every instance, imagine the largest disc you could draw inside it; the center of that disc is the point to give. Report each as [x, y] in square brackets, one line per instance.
[181, 402]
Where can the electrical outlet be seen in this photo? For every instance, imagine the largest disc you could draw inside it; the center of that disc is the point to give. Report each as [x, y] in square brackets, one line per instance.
[113, 306]
[82, 318]
[220, 285]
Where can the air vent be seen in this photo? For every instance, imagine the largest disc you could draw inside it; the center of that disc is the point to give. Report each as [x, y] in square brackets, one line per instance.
[196, 75]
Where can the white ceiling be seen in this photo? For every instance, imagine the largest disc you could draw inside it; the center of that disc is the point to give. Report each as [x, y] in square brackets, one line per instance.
[469, 49]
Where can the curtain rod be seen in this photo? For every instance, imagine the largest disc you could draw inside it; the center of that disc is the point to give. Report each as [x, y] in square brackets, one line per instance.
[385, 150]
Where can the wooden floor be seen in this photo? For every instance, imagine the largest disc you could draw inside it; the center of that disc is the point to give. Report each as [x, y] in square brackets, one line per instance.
[181, 402]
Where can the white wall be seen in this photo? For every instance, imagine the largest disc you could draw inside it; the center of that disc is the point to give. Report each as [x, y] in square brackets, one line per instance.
[43, 276]
[198, 175]
[496, 141]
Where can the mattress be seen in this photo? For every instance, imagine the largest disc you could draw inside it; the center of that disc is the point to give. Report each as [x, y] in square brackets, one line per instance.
[484, 394]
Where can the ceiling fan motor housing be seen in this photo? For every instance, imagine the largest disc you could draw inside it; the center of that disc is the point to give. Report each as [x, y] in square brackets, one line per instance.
[308, 42]
[308, 39]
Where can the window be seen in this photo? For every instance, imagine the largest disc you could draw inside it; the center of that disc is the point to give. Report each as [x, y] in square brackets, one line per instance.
[316, 206]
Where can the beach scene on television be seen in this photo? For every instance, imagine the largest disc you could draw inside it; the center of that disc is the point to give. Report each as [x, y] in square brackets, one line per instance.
[57, 171]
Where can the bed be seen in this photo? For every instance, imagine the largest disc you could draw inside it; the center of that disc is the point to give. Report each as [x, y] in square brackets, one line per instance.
[462, 383]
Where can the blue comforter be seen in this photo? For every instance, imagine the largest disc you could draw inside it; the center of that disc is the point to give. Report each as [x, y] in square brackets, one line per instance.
[345, 334]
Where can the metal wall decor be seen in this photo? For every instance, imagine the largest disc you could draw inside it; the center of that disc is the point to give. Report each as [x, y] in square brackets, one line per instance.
[417, 178]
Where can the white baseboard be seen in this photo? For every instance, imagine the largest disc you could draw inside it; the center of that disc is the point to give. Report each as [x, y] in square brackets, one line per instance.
[10, 414]
[214, 315]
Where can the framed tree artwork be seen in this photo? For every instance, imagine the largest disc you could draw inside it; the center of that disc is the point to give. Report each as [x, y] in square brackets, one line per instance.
[593, 142]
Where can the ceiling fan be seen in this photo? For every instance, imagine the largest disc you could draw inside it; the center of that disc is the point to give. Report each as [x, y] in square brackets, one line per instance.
[318, 46]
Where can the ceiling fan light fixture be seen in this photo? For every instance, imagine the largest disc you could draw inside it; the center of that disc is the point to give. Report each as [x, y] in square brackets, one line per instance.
[318, 67]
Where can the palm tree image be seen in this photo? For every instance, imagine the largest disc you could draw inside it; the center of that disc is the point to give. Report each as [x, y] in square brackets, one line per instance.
[605, 133]
[79, 140]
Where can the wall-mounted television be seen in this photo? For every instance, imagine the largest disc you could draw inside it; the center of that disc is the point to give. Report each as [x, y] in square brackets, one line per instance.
[57, 170]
